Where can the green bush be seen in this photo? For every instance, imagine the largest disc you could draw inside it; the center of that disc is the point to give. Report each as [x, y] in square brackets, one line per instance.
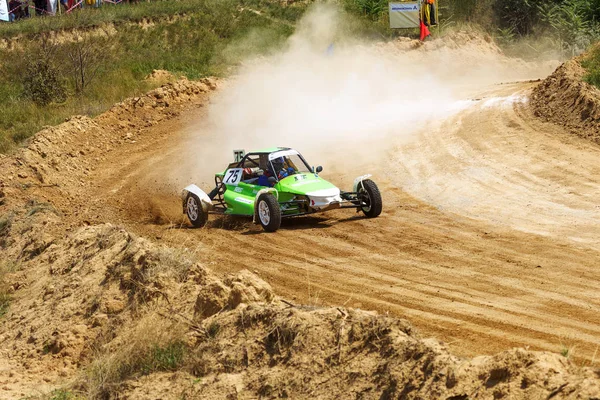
[42, 82]
[373, 9]
[568, 22]
[592, 64]
[520, 15]
[572, 24]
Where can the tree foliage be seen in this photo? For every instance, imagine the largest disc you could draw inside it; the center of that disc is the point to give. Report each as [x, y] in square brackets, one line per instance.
[575, 24]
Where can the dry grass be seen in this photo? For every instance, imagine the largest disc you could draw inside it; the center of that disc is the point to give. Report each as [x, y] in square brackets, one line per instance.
[34, 207]
[285, 332]
[153, 344]
[370, 331]
[174, 262]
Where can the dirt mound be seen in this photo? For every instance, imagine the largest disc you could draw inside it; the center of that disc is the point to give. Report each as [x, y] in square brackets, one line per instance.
[116, 314]
[59, 147]
[73, 296]
[565, 99]
[282, 351]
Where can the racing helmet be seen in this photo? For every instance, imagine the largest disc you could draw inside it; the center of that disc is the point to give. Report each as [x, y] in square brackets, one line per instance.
[278, 163]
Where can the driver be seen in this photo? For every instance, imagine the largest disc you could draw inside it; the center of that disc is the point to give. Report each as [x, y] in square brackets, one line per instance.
[280, 170]
[276, 168]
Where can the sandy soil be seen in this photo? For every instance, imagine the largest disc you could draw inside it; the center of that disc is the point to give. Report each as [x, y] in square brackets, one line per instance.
[489, 243]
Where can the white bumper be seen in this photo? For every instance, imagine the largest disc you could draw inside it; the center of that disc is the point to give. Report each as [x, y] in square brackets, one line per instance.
[324, 199]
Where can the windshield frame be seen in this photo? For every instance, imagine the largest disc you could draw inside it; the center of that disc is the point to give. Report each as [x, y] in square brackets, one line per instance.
[287, 153]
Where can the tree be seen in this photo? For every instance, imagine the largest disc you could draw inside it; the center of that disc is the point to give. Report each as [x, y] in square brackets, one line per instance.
[85, 58]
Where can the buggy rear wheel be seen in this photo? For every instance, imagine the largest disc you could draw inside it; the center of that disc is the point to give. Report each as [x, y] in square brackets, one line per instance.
[369, 195]
[268, 212]
[194, 211]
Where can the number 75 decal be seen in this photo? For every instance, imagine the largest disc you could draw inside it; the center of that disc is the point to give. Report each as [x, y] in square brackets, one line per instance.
[233, 176]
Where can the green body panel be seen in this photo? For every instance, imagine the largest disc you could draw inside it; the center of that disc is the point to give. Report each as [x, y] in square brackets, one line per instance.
[301, 184]
[240, 199]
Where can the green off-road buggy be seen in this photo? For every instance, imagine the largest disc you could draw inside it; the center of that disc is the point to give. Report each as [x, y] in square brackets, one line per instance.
[272, 184]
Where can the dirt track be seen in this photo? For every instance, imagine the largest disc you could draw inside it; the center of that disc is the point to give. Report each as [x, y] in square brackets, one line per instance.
[487, 240]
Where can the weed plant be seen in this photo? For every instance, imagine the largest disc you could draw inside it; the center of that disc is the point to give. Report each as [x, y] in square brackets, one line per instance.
[592, 64]
[154, 344]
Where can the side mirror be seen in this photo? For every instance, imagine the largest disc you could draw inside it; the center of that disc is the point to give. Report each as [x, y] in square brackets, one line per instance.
[319, 169]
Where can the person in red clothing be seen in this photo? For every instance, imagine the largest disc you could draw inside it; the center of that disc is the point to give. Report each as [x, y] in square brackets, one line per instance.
[428, 17]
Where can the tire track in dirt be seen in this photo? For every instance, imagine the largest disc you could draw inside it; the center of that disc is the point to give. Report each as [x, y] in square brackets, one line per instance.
[519, 174]
[457, 251]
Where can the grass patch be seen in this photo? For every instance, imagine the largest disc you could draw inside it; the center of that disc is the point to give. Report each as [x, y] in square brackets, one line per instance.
[567, 347]
[63, 394]
[592, 65]
[154, 344]
[193, 38]
[57, 394]
[107, 14]
[34, 207]
[164, 358]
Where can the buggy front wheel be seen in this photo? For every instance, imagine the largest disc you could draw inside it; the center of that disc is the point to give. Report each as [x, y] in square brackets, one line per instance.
[370, 197]
[268, 212]
[194, 211]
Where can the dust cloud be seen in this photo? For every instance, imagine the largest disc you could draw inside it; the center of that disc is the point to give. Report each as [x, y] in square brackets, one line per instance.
[340, 100]
[326, 94]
